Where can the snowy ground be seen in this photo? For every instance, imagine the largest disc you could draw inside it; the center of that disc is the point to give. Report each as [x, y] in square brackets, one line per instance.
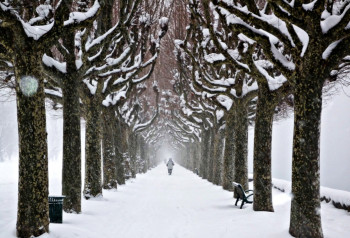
[159, 206]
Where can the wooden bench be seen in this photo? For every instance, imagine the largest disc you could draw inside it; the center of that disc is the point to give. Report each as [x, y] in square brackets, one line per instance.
[241, 194]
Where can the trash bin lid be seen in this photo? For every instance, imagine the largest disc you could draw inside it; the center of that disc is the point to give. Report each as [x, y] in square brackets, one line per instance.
[56, 198]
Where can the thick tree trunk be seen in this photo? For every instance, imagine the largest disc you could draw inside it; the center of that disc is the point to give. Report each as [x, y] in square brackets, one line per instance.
[205, 154]
[229, 151]
[71, 165]
[185, 156]
[305, 218]
[120, 166]
[33, 206]
[139, 159]
[190, 155]
[133, 154]
[71, 171]
[215, 157]
[218, 155]
[262, 150]
[143, 156]
[147, 155]
[196, 155]
[93, 185]
[240, 169]
[119, 146]
[213, 134]
[109, 157]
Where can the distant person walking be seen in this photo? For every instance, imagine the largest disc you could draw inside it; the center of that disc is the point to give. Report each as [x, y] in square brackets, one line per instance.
[170, 166]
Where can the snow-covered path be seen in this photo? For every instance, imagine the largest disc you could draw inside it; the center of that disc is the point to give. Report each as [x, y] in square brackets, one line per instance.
[181, 205]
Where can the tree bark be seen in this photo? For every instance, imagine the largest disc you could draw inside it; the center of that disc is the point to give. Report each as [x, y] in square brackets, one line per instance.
[218, 155]
[229, 151]
[120, 163]
[262, 150]
[240, 174]
[119, 146]
[190, 154]
[205, 154]
[71, 171]
[213, 134]
[196, 154]
[305, 218]
[139, 159]
[93, 185]
[143, 156]
[71, 165]
[133, 154]
[109, 157]
[33, 206]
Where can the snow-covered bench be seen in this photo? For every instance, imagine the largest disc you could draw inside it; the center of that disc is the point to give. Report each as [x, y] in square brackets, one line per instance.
[241, 194]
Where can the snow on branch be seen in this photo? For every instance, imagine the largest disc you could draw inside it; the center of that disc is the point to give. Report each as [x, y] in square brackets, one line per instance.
[304, 38]
[330, 48]
[91, 84]
[36, 32]
[219, 115]
[213, 57]
[273, 82]
[57, 93]
[77, 17]
[225, 101]
[51, 62]
[141, 126]
[330, 21]
[101, 38]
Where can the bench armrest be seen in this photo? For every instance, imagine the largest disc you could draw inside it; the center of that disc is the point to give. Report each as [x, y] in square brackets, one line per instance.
[249, 195]
[248, 190]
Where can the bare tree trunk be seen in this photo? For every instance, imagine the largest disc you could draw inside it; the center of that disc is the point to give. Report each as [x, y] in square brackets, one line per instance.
[240, 174]
[93, 177]
[71, 165]
[144, 167]
[190, 155]
[139, 159]
[262, 150]
[33, 206]
[229, 151]
[196, 156]
[109, 157]
[305, 218]
[205, 154]
[71, 171]
[218, 155]
[119, 146]
[133, 154]
[213, 134]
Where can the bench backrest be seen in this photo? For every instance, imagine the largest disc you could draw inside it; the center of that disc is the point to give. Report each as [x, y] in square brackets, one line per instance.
[239, 190]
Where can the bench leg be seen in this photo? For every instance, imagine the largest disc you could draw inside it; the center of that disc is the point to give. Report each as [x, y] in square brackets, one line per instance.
[236, 201]
[242, 204]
